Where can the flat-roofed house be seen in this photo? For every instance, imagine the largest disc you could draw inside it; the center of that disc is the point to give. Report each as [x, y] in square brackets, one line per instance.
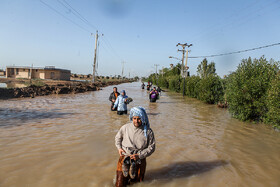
[48, 72]
[2, 72]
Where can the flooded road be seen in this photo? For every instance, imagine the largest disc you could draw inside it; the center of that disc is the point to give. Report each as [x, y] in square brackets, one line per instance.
[68, 140]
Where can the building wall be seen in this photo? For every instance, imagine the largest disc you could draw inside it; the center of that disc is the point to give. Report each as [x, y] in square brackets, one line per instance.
[38, 74]
[18, 73]
[22, 73]
[65, 75]
[57, 74]
[54, 74]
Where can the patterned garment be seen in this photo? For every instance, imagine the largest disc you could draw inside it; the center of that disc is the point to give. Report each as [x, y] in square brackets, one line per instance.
[140, 112]
[120, 103]
[122, 181]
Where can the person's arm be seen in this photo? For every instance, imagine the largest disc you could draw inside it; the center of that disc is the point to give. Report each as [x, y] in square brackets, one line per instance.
[116, 103]
[151, 147]
[118, 141]
[110, 98]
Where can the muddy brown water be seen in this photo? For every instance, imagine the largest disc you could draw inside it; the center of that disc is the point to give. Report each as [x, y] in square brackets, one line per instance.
[68, 140]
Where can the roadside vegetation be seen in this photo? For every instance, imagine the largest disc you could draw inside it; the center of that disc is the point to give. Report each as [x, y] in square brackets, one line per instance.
[252, 92]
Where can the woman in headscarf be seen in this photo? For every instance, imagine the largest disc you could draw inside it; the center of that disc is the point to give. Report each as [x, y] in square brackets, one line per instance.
[135, 141]
[121, 103]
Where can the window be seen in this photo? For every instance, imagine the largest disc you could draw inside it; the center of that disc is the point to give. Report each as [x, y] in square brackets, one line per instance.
[52, 75]
[17, 71]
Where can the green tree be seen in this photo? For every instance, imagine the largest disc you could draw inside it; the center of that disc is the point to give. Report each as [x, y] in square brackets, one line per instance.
[204, 69]
[273, 103]
[247, 88]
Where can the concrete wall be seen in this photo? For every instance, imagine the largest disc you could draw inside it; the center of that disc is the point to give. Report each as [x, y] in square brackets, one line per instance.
[18, 73]
[65, 75]
[54, 74]
[57, 74]
[38, 74]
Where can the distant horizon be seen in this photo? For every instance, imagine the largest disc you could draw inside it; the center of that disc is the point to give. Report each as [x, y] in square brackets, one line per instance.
[139, 33]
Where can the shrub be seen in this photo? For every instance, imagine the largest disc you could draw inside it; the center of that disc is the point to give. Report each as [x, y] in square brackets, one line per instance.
[210, 89]
[174, 83]
[191, 86]
[247, 88]
[273, 103]
[162, 82]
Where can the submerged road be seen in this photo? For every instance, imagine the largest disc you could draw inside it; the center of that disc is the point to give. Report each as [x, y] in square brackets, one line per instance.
[68, 140]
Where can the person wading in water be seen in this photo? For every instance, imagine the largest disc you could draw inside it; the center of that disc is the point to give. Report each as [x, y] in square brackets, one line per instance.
[143, 85]
[135, 141]
[121, 103]
[113, 97]
[153, 95]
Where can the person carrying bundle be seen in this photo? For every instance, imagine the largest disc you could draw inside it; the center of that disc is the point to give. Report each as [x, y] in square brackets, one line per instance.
[135, 141]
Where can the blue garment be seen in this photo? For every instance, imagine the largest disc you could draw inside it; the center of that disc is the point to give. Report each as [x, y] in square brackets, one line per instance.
[140, 112]
[122, 106]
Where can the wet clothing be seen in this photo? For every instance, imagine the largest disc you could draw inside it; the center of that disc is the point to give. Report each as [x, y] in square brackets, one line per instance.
[159, 90]
[143, 86]
[122, 112]
[133, 140]
[153, 96]
[122, 181]
[120, 103]
[113, 96]
[153, 100]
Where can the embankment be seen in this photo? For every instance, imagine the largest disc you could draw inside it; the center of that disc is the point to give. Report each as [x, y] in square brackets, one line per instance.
[65, 87]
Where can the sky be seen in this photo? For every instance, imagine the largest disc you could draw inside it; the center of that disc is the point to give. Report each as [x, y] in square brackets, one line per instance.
[140, 33]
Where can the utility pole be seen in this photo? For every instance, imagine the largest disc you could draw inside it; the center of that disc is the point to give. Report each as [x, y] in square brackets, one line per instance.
[122, 68]
[95, 54]
[183, 50]
[156, 72]
[182, 66]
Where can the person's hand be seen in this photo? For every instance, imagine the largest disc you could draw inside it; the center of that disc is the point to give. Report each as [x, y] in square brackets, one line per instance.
[121, 151]
[113, 100]
[134, 157]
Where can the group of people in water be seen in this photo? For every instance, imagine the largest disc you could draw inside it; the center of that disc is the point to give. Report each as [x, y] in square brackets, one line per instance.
[119, 101]
[154, 93]
[135, 140]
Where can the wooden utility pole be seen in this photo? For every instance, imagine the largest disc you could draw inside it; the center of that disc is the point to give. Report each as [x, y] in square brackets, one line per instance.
[183, 68]
[123, 68]
[95, 54]
[156, 72]
[183, 57]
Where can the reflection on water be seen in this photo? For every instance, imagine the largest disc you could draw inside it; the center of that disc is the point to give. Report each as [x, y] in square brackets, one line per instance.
[68, 140]
[12, 85]
[3, 85]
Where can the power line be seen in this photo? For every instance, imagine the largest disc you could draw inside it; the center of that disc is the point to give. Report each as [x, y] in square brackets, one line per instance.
[250, 15]
[53, 9]
[241, 51]
[76, 13]
[82, 18]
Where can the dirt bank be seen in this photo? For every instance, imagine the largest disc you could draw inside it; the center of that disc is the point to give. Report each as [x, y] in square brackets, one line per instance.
[55, 87]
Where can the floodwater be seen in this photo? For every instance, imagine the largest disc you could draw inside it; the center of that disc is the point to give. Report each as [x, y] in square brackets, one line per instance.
[12, 85]
[68, 140]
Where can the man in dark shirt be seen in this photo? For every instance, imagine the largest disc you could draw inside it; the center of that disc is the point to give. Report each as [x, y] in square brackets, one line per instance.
[113, 97]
